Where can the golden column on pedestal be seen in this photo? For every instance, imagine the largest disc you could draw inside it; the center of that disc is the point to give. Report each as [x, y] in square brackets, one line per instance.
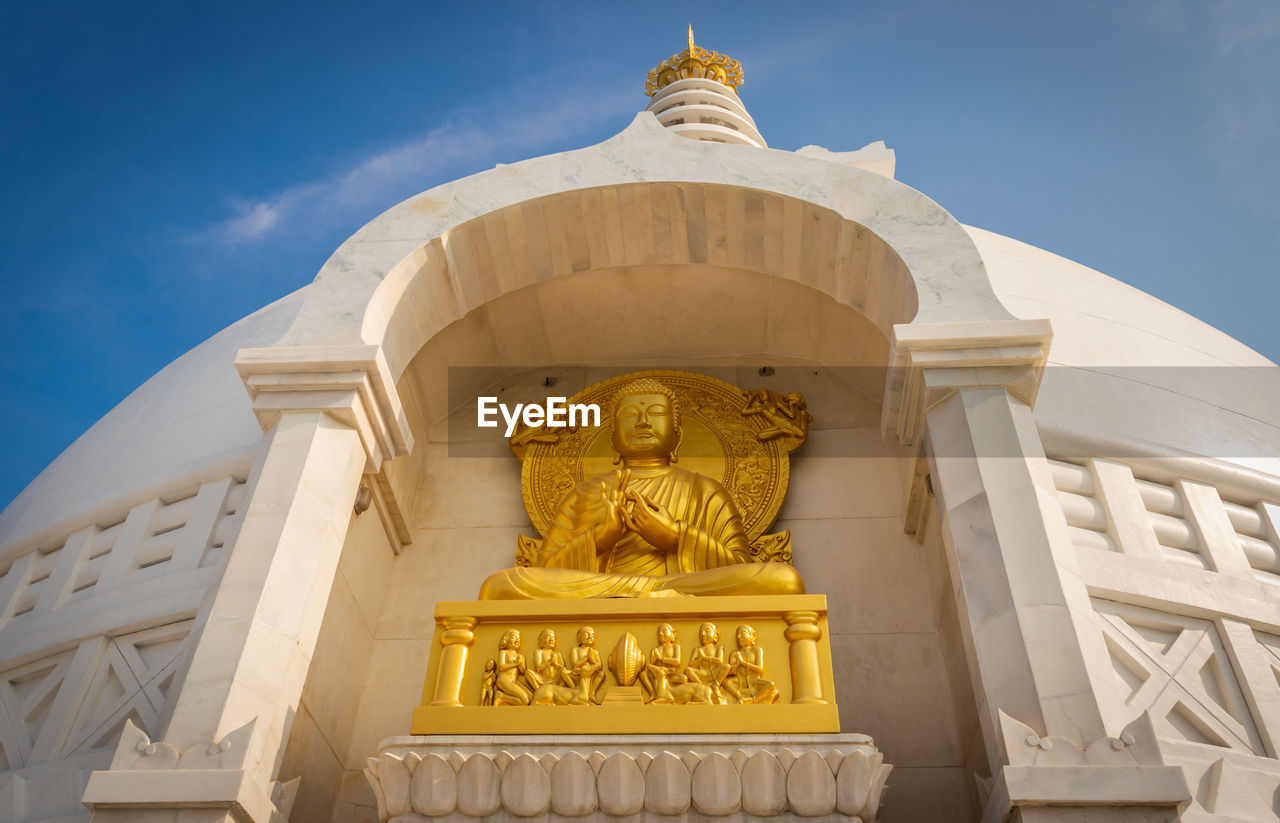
[456, 639]
[803, 633]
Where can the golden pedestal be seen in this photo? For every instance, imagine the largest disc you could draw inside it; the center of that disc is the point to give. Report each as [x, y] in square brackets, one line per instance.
[790, 629]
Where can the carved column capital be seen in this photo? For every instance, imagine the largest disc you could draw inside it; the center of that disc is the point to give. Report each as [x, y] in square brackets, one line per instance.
[353, 384]
[930, 361]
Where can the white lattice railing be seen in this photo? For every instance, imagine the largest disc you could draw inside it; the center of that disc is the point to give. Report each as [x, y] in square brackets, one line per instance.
[1108, 508]
[1182, 558]
[1086, 519]
[93, 632]
[1255, 533]
[162, 547]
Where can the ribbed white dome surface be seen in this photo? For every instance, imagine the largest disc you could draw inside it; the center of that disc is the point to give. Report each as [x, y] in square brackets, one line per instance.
[1097, 319]
[192, 411]
[1127, 367]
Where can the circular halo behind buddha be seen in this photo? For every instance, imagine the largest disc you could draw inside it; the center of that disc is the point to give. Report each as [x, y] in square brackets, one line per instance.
[727, 435]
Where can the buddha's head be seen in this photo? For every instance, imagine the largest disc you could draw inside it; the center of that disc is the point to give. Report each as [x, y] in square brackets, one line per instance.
[666, 634]
[746, 637]
[646, 421]
[708, 634]
[547, 640]
[586, 636]
[510, 641]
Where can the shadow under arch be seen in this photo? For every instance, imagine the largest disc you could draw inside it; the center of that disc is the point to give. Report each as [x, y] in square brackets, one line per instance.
[572, 331]
[632, 225]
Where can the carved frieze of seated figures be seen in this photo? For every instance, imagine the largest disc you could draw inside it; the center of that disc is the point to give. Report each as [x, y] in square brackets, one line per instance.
[663, 679]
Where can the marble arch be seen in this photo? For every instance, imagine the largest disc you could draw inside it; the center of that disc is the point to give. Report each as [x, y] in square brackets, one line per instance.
[866, 240]
[630, 225]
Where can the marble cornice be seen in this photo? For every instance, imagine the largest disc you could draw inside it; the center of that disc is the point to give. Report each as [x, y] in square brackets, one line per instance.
[931, 361]
[351, 383]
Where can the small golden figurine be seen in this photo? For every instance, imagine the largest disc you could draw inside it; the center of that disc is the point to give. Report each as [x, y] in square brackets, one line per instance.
[746, 669]
[586, 672]
[508, 690]
[488, 683]
[784, 413]
[666, 662]
[707, 665]
[548, 664]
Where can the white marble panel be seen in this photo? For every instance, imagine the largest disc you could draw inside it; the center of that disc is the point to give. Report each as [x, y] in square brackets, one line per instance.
[895, 688]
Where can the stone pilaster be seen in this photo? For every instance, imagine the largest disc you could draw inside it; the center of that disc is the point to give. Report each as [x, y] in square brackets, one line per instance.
[963, 393]
[327, 422]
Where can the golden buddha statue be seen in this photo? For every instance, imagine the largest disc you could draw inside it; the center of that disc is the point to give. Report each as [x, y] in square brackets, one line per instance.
[648, 528]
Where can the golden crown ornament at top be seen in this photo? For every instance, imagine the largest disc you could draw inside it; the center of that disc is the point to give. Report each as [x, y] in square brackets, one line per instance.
[694, 62]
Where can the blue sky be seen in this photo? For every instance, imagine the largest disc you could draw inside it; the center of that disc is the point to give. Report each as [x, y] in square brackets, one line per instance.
[171, 167]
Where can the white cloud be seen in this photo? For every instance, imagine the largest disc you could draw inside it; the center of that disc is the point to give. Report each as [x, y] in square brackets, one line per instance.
[352, 195]
[253, 221]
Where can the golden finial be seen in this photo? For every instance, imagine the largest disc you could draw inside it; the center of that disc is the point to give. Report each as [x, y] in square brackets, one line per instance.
[694, 61]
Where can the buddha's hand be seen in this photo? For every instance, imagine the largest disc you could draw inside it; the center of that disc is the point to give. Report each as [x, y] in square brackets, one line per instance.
[653, 522]
[614, 525]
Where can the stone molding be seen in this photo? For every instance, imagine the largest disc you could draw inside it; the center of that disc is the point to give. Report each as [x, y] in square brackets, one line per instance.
[147, 776]
[352, 384]
[1109, 772]
[1021, 745]
[931, 361]
[732, 777]
[1230, 786]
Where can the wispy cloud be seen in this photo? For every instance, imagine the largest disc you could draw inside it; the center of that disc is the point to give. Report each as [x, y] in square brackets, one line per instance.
[460, 146]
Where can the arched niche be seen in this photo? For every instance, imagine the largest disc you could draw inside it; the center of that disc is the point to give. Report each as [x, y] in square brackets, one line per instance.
[684, 227]
[585, 326]
[866, 240]
[560, 335]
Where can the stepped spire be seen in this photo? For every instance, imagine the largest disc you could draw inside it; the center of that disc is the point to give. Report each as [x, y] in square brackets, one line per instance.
[695, 93]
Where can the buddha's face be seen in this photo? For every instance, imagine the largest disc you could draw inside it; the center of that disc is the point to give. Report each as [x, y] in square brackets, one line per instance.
[666, 634]
[644, 426]
[708, 633]
[746, 637]
[547, 640]
[586, 636]
[511, 641]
